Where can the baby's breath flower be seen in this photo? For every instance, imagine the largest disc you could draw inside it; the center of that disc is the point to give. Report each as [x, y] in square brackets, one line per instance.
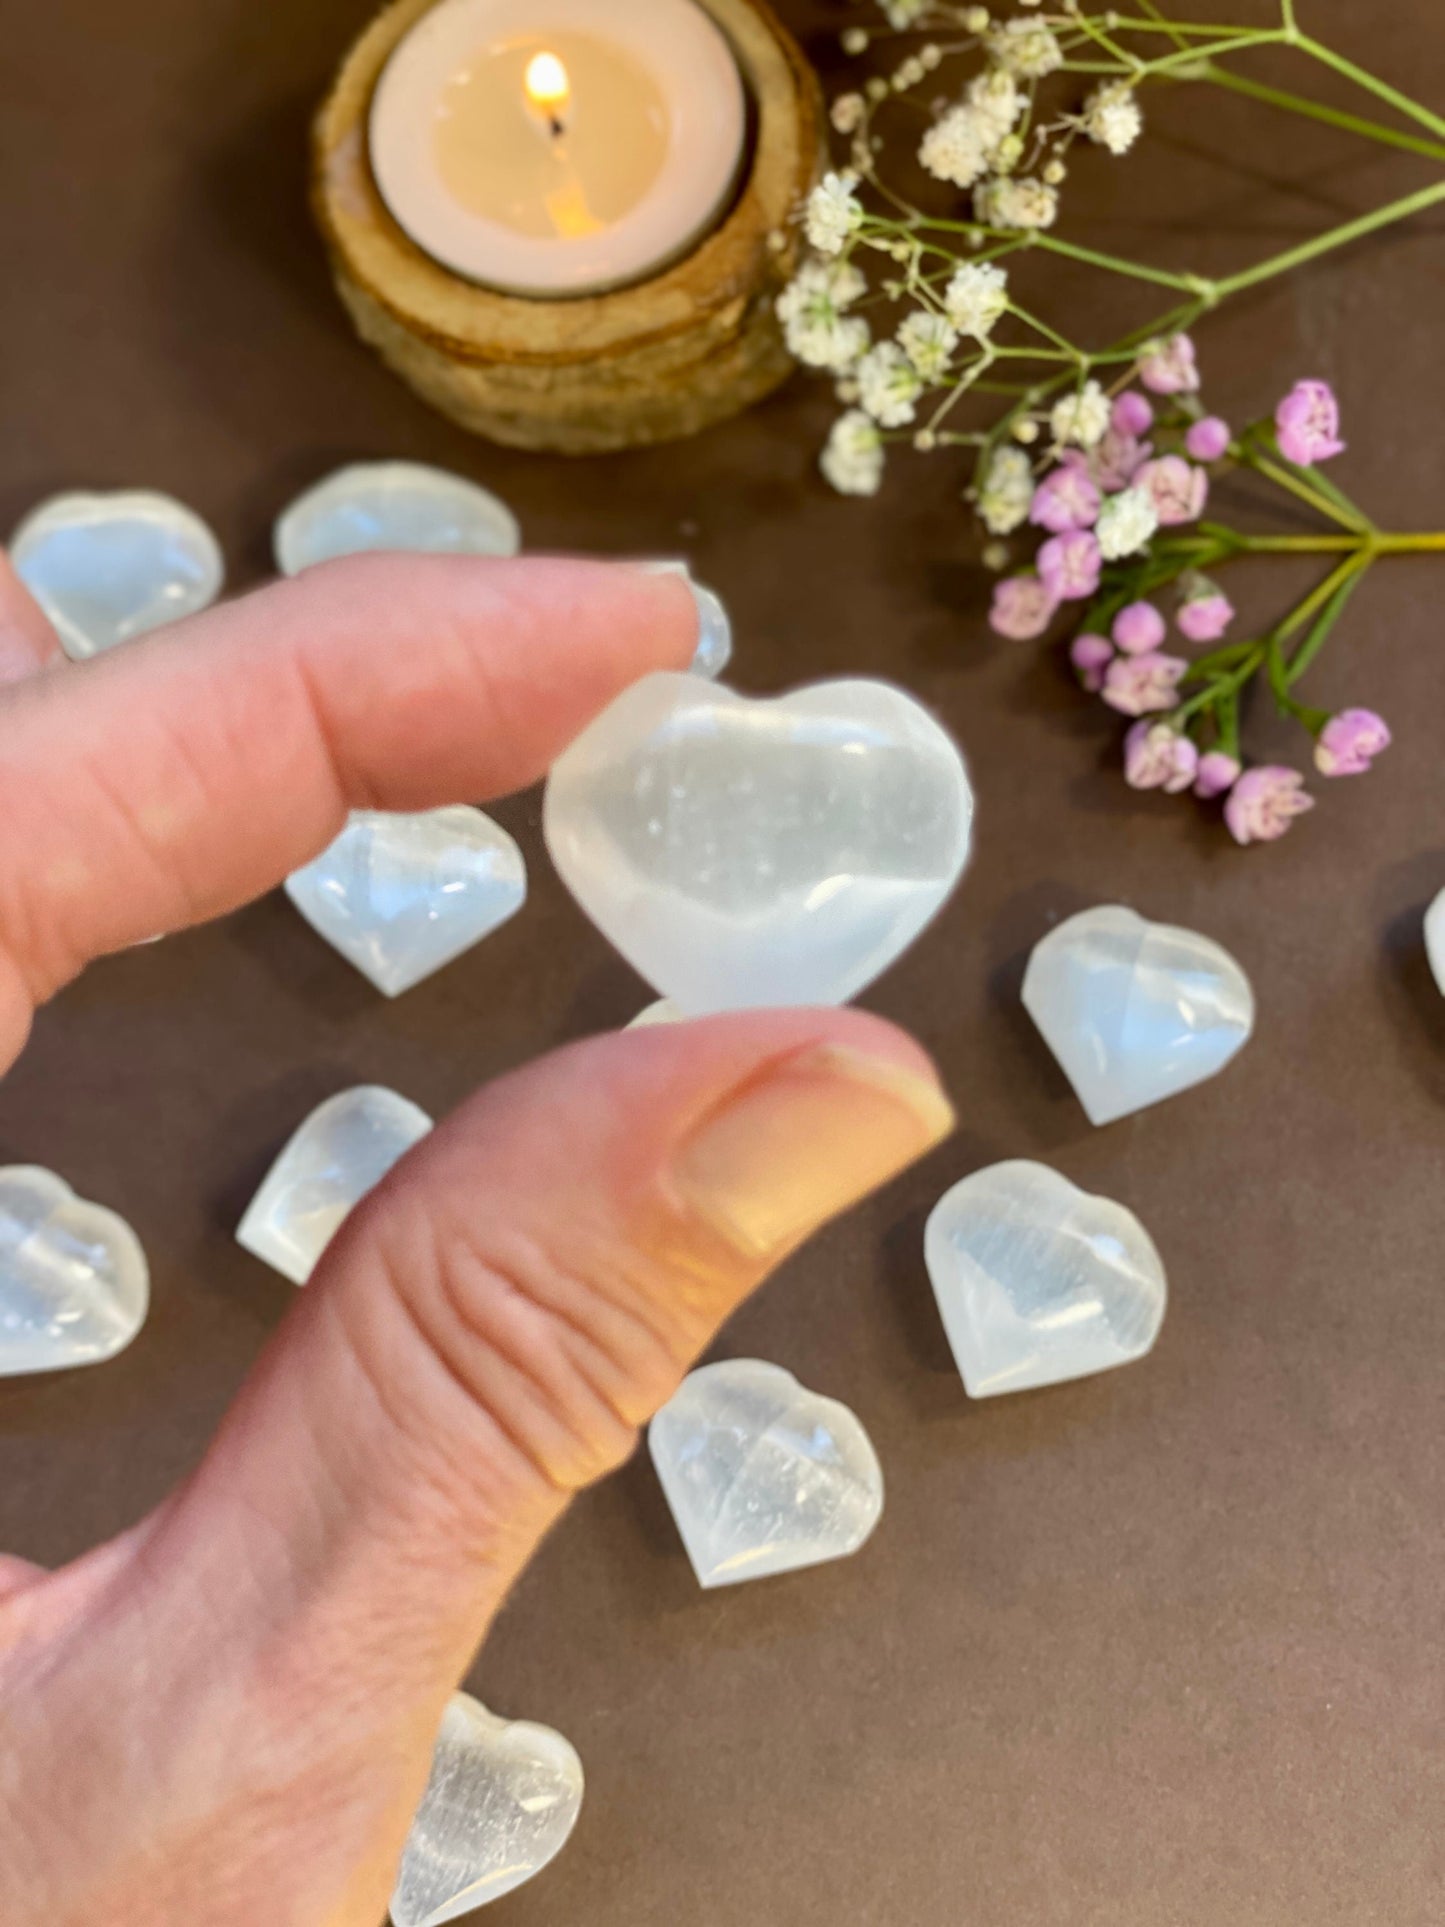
[1054, 172]
[1026, 49]
[852, 459]
[925, 441]
[1023, 203]
[976, 298]
[975, 20]
[930, 55]
[848, 111]
[1112, 118]
[901, 14]
[995, 556]
[928, 340]
[908, 75]
[811, 309]
[1126, 522]
[876, 87]
[953, 149]
[1026, 430]
[995, 101]
[888, 385]
[834, 212]
[854, 40]
[1006, 491]
[1008, 153]
[1081, 419]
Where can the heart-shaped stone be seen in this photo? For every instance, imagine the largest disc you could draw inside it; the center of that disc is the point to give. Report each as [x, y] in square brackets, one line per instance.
[502, 1799]
[714, 649]
[392, 505]
[342, 1151]
[742, 853]
[1435, 939]
[74, 1285]
[762, 1475]
[401, 895]
[1037, 1281]
[105, 568]
[1135, 1011]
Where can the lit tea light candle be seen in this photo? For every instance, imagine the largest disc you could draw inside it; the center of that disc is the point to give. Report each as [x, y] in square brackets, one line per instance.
[558, 147]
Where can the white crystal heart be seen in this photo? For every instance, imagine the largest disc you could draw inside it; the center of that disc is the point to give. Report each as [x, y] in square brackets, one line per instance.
[105, 568]
[342, 1150]
[392, 505]
[502, 1799]
[744, 853]
[1135, 1011]
[1037, 1281]
[714, 649]
[74, 1285]
[762, 1475]
[401, 895]
[1435, 939]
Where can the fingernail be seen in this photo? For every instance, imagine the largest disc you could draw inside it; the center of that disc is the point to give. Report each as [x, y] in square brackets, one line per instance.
[714, 627]
[802, 1141]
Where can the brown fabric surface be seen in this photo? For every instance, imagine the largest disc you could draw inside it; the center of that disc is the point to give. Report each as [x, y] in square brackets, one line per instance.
[1158, 1648]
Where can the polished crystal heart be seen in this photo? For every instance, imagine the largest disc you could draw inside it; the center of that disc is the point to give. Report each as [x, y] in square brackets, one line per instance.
[1435, 939]
[1135, 1011]
[399, 896]
[744, 852]
[392, 505]
[342, 1151]
[105, 568]
[714, 628]
[74, 1286]
[1037, 1281]
[762, 1475]
[501, 1801]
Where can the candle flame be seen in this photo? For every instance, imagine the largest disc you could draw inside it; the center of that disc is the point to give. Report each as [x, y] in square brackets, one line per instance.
[547, 84]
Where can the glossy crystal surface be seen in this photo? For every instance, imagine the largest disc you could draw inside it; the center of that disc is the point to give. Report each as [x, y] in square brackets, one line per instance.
[714, 626]
[762, 1475]
[1037, 1281]
[106, 568]
[401, 895]
[342, 1151]
[501, 1801]
[1135, 1011]
[1435, 939]
[371, 506]
[742, 853]
[74, 1284]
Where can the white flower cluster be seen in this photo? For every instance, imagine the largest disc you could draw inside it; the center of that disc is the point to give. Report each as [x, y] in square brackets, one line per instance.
[888, 385]
[1006, 492]
[834, 212]
[1112, 117]
[967, 141]
[1006, 202]
[1081, 419]
[853, 458]
[1026, 48]
[928, 340]
[812, 309]
[976, 298]
[1126, 522]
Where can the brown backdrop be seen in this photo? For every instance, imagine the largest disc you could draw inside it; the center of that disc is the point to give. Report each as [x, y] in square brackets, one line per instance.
[1158, 1648]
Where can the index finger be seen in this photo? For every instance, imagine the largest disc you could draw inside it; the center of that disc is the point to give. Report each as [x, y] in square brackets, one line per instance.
[169, 781]
[27, 641]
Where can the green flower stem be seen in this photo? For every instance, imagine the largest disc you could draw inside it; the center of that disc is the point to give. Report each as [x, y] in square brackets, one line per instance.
[1348, 582]
[1311, 604]
[1402, 103]
[1317, 110]
[1222, 686]
[1251, 458]
[1336, 237]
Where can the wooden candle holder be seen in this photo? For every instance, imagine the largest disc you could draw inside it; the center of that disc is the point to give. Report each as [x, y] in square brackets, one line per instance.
[648, 363]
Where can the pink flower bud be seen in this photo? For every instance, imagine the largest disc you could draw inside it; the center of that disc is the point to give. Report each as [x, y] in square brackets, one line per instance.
[1138, 685]
[1069, 564]
[1091, 656]
[1177, 489]
[1065, 499]
[1307, 423]
[1137, 628]
[1023, 607]
[1350, 742]
[1159, 758]
[1208, 439]
[1169, 367]
[1217, 773]
[1204, 618]
[1264, 802]
[1131, 414]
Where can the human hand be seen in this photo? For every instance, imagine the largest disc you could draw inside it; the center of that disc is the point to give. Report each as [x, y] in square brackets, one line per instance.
[227, 1714]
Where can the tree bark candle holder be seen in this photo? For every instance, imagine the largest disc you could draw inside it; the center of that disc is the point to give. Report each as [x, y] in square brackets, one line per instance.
[662, 358]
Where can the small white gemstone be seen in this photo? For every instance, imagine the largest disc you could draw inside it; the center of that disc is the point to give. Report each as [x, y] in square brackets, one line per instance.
[742, 853]
[393, 506]
[1038, 1282]
[762, 1475]
[714, 626]
[74, 1285]
[343, 1150]
[1435, 939]
[1135, 1011]
[502, 1799]
[401, 895]
[106, 568]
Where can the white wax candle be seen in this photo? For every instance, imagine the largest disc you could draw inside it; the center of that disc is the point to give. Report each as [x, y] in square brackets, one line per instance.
[556, 147]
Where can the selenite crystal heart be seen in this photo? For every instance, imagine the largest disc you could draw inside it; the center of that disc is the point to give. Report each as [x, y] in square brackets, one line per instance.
[342, 1151]
[105, 568]
[762, 1475]
[502, 1799]
[401, 895]
[714, 627]
[74, 1285]
[1135, 1011]
[743, 853]
[1435, 939]
[1037, 1281]
[392, 505]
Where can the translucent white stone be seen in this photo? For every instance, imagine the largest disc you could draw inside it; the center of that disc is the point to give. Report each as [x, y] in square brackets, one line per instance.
[743, 853]
[392, 505]
[1037, 1281]
[714, 626]
[501, 1802]
[1135, 1011]
[1435, 939]
[762, 1475]
[74, 1285]
[401, 895]
[342, 1151]
[664, 1011]
[105, 568]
